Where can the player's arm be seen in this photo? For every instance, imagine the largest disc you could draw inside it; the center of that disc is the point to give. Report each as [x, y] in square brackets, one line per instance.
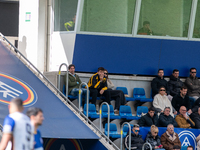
[8, 127]
[4, 141]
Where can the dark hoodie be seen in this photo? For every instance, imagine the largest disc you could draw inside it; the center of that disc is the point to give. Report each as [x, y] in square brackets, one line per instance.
[174, 85]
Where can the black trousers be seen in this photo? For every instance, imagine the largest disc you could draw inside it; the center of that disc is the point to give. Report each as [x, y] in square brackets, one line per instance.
[94, 93]
[118, 96]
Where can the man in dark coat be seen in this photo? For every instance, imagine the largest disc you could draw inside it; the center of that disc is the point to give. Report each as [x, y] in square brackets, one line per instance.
[196, 118]
[136, 139]
[182, 99]
[165, 118]
[174, 83]
[157, 82]
[149, 119]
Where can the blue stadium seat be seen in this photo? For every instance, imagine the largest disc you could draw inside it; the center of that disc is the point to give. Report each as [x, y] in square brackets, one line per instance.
[113, 131]
[91, 111]
[125, 91]
[141, 109]
[125, 112]
[139, 94]
[183, 147]
[126, 130]
[112, 114]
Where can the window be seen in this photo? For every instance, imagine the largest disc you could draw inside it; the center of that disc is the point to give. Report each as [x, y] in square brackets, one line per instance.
[164, 17]
[65, 15]
[196, 33]
[108, 16]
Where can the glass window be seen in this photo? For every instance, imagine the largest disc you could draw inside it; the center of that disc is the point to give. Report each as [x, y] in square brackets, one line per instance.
[108, 16]
[65, 15]
[164, 17]
[196, 33]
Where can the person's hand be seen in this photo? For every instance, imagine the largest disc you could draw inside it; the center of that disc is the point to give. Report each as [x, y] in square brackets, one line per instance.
[101, 77]
[166, 94]
[189, 111]
[175, 113]
[185, 116]
[101, 92]
[156, 147]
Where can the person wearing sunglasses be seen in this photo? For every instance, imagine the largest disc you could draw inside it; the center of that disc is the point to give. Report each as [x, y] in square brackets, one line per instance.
[193, 84]
[154, 139]
[161, 101]
[183, 120]
[136, 139]
[169, 139]
[117, 95]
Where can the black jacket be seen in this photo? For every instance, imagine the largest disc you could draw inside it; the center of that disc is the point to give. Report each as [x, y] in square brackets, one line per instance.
[152, 141]
[136, 141]
[165, 120]
[156, 83]
[147, 121]
[175, 85]
[95, 83]
[196, 105]
[196, 118]
[178, 101]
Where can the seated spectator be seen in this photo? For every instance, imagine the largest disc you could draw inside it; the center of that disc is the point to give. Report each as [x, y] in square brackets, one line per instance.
[98, 86]
[117, 95]
[174, 84]
[165, 118]
[74, 83]
[153, 138]
[136, 139]
[195, 116]
[145, 30]
[196, 105]
[169, 139]
[182, 99]
[151, 118]
[190, 147]
[161, 101]
[193, 84]
[198, 142]
[176, 147]
[157, 82]
[183, 120]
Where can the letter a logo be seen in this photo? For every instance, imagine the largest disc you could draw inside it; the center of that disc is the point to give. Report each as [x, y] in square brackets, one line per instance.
[186, 142]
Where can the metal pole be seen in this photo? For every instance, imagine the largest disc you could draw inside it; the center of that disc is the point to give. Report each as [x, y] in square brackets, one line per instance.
[129, 126]
[59, 72]
[100, 112]
[79, 94]
[146, 144]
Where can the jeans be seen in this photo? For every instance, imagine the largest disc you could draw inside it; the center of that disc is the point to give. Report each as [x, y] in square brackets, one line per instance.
[75, 92]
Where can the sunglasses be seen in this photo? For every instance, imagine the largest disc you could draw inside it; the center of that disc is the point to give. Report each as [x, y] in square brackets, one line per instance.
[156, 132]
[162, 90]
[137, 130]
[193, 72]
[106, 73]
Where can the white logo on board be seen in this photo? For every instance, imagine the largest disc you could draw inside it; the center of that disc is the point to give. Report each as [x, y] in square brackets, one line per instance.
[186, 135]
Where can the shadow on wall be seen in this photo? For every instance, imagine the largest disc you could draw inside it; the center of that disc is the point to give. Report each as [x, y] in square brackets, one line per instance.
[22, 46]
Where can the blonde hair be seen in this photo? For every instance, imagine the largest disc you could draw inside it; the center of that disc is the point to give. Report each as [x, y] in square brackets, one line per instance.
[154, 129]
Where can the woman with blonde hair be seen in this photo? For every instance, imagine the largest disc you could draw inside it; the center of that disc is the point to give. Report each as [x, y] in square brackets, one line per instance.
[153, 139]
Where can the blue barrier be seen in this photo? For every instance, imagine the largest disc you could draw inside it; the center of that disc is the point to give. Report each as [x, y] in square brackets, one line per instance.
[186, 136]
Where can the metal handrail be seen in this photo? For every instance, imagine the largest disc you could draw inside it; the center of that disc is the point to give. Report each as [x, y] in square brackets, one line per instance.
[100, 113]
[59, 92]
[59, 72]
[129, 126]
[146, 144]
[79, 96]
